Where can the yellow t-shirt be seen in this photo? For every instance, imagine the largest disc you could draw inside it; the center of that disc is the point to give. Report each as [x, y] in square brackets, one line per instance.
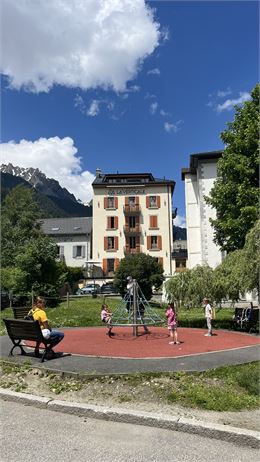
[40, 316]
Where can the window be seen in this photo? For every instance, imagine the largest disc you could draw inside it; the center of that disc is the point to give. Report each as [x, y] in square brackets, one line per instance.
[152, 201]
[110, 264]
[60, 250]
[154, 243]
[131, 201]
[153, 221]
[110, 202]
[180, 264]
[132, 242]
[132, 222]
[110, 243]
[78, 251]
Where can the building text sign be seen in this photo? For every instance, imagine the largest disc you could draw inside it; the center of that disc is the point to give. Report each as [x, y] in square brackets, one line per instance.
[126, 192]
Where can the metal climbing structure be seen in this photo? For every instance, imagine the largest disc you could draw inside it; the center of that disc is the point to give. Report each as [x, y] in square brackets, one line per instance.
[135, 311]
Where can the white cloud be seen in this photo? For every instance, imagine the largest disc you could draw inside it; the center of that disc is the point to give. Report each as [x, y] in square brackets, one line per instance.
[163, 113]
[155, 71]
[55, 157]
[172, 127]
[93, 109]
[229, 104]
[76, 43]
[153, 108]
[223, 93]
[180, 221]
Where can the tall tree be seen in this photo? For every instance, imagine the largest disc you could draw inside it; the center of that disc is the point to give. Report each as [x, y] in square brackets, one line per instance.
[235, 194]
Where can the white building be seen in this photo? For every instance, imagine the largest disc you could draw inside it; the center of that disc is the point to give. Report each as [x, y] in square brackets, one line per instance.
[72, 236]
[199, 179]
[132, 213]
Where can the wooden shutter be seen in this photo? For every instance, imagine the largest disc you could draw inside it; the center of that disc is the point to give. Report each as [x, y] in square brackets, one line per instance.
[159, 242]
[116, 202]
[74, 251]
[116, 242]
[105, 243]
[136, 200]
[105, 266]
[160, 261]
[153, 221]
[108, 222]
[105, 203]
[83, 254]
[126, 201]
[61, 250]
[158, 201]
[149, 242]
[147, 202]
[116, 264]
[116, 222]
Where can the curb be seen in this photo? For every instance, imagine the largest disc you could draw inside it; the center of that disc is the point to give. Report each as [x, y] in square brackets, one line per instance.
[242, 437]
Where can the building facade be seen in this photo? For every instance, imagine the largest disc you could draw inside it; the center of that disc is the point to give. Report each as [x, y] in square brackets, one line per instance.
[132, 213]
[73, 238]
[199, 179]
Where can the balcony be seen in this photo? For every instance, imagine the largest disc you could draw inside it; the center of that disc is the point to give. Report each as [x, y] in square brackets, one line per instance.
[128, 251]
[131, 209]
[129, 231]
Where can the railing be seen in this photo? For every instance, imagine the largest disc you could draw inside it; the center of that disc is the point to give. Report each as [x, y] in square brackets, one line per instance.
[132, 208]
[132, 230]
[128, 251]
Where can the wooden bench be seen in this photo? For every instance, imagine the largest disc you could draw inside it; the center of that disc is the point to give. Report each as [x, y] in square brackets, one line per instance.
[246, 319]
[21, 329]
[20, 311]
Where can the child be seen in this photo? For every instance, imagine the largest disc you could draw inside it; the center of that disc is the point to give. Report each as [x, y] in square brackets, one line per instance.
[209, 315]
[172, 323]
[106, 317]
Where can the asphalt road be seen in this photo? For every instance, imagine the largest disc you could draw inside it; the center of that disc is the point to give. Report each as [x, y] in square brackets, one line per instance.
[31, 434]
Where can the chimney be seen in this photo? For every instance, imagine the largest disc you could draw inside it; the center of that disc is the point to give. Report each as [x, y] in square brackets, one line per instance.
[98, 173]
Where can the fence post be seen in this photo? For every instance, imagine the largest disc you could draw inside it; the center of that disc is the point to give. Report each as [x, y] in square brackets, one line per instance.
[68, 300]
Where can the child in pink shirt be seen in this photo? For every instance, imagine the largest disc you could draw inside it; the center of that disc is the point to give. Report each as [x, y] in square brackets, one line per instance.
[106, 317]
[172, 323]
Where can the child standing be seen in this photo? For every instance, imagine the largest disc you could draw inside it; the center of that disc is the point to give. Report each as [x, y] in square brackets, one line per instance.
[172, 323]
[106, 316]
[209, 315]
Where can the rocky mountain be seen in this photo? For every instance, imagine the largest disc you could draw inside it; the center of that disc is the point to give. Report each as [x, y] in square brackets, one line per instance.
[53, 200]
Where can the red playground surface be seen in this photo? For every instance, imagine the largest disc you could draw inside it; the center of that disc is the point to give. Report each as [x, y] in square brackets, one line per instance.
[94, 341]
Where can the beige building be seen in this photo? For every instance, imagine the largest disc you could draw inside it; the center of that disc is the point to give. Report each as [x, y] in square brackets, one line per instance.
[132, 213]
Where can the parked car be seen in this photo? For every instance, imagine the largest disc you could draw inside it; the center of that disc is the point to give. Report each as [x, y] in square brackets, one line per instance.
[108, 288]
[90, 289]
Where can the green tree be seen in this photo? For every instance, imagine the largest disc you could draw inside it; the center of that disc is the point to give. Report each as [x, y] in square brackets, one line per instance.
[19, 223]
[235, 194]
[144, 268]
[250, 261]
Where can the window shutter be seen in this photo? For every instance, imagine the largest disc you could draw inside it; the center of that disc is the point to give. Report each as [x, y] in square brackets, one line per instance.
[116, 242]
[61, 251]
[105, 266]
[147, 202]
[105, 203]
[105, 243]
[136, 200]
[116, 202]
[116, 264]
[149, 242]
[116, 222]
[108, 222]
[159, 242]
[160, 261]
[74, 251]
[126, 201]
[158, 201]
[83, 253]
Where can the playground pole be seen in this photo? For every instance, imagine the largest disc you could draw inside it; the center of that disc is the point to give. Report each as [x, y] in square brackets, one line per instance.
[135, 331]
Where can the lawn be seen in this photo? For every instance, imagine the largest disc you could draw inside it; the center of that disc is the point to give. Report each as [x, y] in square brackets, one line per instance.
[85, 312]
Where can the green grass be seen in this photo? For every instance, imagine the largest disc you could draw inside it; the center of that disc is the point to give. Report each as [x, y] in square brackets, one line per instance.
[85, 312]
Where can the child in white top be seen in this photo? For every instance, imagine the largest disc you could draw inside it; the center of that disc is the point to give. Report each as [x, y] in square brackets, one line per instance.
[106, 317]
[209, 314]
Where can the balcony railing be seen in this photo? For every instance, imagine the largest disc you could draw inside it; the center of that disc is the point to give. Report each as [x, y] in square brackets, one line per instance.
[132, 230]
[131, 209]
[128, 251]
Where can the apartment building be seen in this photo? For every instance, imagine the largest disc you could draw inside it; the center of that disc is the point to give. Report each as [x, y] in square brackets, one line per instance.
[199, 179]
[132, 213]
[72, 236]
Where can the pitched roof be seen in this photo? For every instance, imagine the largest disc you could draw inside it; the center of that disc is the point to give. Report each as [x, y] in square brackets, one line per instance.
[124, 179]
[70, 225]
[196, 157]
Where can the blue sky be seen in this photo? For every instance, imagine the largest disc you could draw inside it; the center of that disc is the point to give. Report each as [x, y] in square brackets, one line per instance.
[137, 90]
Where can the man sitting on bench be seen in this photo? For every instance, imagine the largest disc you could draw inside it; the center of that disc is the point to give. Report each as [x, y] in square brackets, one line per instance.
[39, 315]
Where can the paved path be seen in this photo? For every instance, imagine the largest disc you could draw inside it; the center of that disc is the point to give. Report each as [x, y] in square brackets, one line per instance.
[93, 352]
